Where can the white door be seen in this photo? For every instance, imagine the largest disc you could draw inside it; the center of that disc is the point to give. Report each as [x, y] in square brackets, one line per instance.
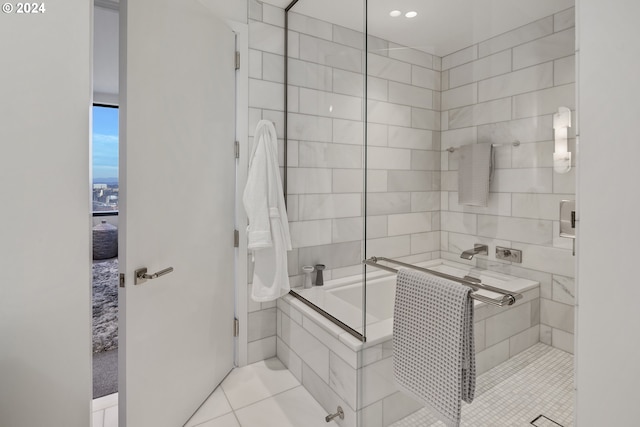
[177, 208]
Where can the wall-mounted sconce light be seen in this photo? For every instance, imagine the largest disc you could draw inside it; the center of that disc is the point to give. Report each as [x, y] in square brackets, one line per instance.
[561, 125]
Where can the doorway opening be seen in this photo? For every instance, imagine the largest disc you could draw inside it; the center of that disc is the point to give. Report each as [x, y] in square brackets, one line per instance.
[105, 191]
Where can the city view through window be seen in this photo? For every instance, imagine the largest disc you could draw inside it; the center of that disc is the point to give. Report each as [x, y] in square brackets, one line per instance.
[105, 159]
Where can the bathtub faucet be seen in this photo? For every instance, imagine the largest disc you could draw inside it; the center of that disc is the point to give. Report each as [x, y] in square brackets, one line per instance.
[478, 249]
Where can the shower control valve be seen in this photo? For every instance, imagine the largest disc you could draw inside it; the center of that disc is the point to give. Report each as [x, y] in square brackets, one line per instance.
[508, 254]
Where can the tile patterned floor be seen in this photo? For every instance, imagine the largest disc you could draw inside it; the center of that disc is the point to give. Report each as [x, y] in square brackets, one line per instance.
[538, 381]
[265, 394]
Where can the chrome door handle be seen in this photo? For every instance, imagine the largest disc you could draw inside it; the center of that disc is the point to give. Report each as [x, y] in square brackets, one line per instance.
[142, 276]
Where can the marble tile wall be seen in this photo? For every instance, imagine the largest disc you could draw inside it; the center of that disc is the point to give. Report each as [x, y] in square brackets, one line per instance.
[326, 154]
[266, 89]
[498, 91]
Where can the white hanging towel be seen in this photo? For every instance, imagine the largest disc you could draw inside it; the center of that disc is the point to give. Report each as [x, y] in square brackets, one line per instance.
[268, 230]
[433, 343]
[474, 174]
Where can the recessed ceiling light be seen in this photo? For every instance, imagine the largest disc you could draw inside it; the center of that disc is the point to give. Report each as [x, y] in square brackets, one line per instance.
[395, 13]
[411, 14]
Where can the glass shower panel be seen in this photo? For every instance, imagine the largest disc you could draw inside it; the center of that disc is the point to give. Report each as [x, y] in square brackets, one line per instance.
[325, 156]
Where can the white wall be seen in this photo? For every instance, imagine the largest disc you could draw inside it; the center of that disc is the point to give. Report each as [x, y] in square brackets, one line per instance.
[45, 317]
[608, 314]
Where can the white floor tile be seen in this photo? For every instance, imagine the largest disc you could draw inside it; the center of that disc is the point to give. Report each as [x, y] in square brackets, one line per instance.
[228, 420]
[111, 417]
[215, 406]
[293, 408]
[258, 381]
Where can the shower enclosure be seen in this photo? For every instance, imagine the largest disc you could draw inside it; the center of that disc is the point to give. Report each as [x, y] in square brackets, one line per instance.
[377, 103]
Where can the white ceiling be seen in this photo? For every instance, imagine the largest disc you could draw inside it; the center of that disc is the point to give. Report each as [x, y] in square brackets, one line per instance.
[441, 27]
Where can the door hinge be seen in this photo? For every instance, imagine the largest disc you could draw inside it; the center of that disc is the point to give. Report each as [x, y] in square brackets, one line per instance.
[122, 280]
[236, 239]
[236, 327]
[237, 60]
[237, 148]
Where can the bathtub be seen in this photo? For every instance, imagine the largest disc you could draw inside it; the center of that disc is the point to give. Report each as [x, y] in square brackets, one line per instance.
[339, 369]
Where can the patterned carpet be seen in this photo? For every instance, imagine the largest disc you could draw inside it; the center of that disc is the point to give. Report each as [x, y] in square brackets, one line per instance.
[105, 305]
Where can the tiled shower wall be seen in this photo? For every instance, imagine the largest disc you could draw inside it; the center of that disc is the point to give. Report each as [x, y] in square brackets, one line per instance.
[502, 90]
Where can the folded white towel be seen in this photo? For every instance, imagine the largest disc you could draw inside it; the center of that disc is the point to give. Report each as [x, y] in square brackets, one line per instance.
[433, 344]
[474, 173]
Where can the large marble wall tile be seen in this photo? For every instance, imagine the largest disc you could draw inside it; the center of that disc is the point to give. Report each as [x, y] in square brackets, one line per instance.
[425, 77]
[264, 94]
[516, 37]
[565, 19]
[460, 57]
[498, 204]
[525, 339]
[320, 103]
[377, 45]
[348, 180]
[564, 70]
[406, 94]
[548, 259]
[261, 349]
[564, 289]
[535, 231]
[390, 247]
[309, 128]
[508, 323]
[478, 114]
[425, 119]
[425, 160]
[311, 26]
[289, 358]
[409, 180]
[347, 229]
[343, 380]
[557, 315]
[411, 56]
[403, 137]
[548, 48]
[532, 129]
[267, 38]
[377, 134]
[348, 83]
[388, 203]
[535, 154]
[376, 181]
[564, 183]
[327, 206]
[543, 206]
[562, 340]
[522, 181]
[521, 81]
[425, 201]
[387, 113]
[460, 96]
[491, 357]
[389, 69]
[459, 222]
[329, 155]
[425, 242]
[397, 406]
[331, 54]
[308, 348]
[490, 66]
[377, 89]
[333, 256]
[348, 132]
[261, 324]
[272, 67]
[309, 75]
[310, 233]
[388, 158]
[418, 222]
[457, 137]
[348, 36]
[308, 180]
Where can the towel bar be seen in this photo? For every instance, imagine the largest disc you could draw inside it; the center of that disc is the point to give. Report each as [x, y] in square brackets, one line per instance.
[508, 298]
[515, 144]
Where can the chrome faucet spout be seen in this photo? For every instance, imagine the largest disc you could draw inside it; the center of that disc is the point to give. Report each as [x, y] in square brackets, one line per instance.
[478, 249]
